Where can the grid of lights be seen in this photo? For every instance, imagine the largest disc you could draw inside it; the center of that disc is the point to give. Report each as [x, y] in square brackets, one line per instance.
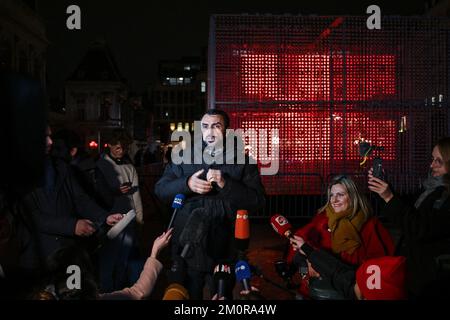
[326, 83]
[306, 77]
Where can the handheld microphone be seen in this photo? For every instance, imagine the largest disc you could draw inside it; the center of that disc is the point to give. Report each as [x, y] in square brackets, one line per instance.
[243, 274]
[281, 225]
[176, 204]
[118, 228]
[195, 228]
[242, 231]
[222, 279]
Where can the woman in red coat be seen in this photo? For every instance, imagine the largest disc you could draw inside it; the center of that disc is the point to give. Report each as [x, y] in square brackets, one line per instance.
[345, 227]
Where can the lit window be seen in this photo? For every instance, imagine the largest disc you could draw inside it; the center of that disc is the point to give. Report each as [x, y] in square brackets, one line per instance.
[203, 86]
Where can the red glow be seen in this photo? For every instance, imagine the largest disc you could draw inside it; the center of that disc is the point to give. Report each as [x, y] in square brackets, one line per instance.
[93, 144]
[306, 136]
[306, 77]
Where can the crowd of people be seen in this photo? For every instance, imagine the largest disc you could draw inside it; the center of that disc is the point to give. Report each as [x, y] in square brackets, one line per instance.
[62, 210]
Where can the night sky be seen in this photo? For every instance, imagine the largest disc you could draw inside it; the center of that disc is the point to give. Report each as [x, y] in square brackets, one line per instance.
[141, 32]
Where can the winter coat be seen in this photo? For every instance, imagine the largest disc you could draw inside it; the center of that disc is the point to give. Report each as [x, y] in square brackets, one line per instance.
[426, 239]
[109, 177]
[243, 190]
[376, 239]
[51, 219]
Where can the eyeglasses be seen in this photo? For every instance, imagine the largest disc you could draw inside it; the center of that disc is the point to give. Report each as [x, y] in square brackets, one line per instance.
[438, 161]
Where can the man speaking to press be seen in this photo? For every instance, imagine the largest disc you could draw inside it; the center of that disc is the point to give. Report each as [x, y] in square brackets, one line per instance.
[221, 188]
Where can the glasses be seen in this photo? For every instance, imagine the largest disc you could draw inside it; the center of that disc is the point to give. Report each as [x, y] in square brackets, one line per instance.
[437, 161]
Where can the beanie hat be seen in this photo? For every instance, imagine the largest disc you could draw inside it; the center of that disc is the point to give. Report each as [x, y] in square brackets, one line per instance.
[382, 278]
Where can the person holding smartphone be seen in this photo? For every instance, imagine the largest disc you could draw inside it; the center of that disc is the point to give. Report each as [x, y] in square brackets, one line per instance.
[117, 186]
[425, 226]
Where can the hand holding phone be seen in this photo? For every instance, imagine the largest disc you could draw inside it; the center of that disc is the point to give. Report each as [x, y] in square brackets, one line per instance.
[378, 168]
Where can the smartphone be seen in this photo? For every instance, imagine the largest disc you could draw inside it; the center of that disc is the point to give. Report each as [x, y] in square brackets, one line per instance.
[378, 168]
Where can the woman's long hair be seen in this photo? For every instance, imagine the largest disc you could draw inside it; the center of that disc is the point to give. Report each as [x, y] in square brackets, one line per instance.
[358, 201]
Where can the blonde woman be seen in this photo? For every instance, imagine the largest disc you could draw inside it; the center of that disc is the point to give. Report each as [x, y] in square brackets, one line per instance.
[345, 227]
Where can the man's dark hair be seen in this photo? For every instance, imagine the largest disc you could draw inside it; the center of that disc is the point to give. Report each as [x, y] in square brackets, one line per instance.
[119, 136]
[218, 112]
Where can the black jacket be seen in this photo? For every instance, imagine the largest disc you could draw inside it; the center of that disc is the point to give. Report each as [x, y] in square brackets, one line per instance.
[426, 233]
[243, 190]
[341, 275]
[51, 220]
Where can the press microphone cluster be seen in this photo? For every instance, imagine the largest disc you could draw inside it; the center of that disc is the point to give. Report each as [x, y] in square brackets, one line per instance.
[281, 225]
[177, 203]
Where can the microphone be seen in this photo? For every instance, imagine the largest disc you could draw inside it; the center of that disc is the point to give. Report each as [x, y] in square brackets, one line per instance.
[118, 228]
[242, 232]
[176, 204]
[281, 225]
[222, 279]
[243, 274]
[194, 229]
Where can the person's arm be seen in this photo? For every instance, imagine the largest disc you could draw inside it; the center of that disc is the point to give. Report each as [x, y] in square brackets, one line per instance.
[172, 183]
[420, 224]
[247, 193]
[146, 282]
[85, 206]
[143, 287]
[325, 264]
[63, 225]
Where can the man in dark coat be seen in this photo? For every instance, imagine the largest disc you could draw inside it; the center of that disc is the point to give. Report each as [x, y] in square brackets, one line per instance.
[221, 189]
[58, 211]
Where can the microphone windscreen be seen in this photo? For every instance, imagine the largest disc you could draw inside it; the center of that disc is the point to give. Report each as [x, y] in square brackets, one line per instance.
[280, 224]
[178, 201]
[242, 270]
[176, 292]
[242, 226]
[119, 226]
[195, 228]
[222, 279]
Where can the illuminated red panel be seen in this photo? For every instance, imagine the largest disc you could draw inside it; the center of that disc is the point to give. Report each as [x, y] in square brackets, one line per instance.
[367, 77]
[306, 77]
[258, 73]
[305, 136]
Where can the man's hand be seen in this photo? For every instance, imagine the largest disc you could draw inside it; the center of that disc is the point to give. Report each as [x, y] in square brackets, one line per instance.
[198, 185]
[112, 219]
[84, 228]
[379, 186]
[215, 176]
[161, 242]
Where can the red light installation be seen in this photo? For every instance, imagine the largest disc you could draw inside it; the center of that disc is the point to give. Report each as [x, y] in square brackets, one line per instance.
[306, 77]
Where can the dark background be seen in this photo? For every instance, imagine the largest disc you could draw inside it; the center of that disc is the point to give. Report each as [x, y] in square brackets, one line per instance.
[142, 32]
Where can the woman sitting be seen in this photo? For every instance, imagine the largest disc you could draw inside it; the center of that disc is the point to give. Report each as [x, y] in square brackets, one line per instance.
[345, 227]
